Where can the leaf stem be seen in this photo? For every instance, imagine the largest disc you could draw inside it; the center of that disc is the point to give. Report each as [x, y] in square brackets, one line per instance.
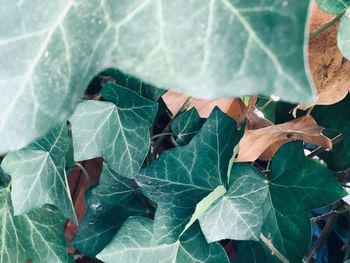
[161, 134]
[274, 250]
[325, 26]
[331, 220]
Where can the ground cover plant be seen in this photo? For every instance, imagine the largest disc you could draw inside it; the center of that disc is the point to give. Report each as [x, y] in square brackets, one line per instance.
[261, 176]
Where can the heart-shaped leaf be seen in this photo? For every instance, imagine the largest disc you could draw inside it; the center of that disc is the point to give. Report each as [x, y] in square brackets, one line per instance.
[117, 130]
[183, 176]
[37, 235]
[186, 126]
[302, 185]
[239, 213]
[38, 174]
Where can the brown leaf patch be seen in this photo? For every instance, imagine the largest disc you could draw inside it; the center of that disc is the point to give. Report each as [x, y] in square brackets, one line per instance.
[329, 69]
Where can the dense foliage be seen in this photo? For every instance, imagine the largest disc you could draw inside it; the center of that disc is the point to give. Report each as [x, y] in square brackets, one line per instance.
[85, 79]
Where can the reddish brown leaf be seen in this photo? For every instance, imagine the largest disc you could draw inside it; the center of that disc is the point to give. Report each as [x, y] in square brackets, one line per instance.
[235, 108]
[264, 143]
[175, 100]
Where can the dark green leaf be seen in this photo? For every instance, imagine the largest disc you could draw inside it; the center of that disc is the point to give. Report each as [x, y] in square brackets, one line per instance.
[143, 89]
[239, 213]
[37, 235]
[333, 6]
[338, 159]
[38, 174]
[183, 176]
[109, 205]
[295, 188]
[132, 244]
[334, 116]
[250, 252]
[117, 130]
[186, 126]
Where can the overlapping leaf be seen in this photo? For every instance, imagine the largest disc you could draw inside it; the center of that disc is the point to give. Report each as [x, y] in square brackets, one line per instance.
[295, 188]
[132, 244]
[117, 130]
[239, 213]
[337, 118]
[43, 60]
[183, 176]
[37, 235]
[143, 89]
[38, 174]
[109, 205]
[186, 126]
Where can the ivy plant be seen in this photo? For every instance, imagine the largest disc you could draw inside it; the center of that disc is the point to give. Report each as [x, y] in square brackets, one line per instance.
[81, 80]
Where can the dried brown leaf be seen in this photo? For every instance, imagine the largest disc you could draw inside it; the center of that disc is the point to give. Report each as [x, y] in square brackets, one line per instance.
[329, 69]
[264, 143]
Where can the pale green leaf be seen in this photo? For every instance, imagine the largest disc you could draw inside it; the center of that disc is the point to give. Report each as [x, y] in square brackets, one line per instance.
[37, 235]
[38, 174]
[344, 34]
[183, 176]
[50, 50]
[239, 213]
[117, 130]
[186, 126]
[132, 245]
[333, 6]
[109, 205]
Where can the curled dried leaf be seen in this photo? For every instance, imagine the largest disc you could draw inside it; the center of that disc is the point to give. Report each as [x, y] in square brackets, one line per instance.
[264, 143]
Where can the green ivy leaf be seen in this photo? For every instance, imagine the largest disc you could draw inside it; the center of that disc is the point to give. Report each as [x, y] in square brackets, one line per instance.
[183, 176]
[117, 130]
[143, 89]
[250, 252]
[132, 244]
[109, 205]
[333, 6]
[295, 188]
[37, 235]
[344, 34]
[338, 158]
[239, 213]
[337, 118]
[38, 174]
[186, 126]
[192, 48]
